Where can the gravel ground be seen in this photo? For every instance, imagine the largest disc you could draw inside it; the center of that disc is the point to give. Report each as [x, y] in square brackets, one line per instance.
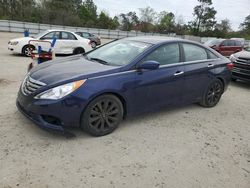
[189, 146]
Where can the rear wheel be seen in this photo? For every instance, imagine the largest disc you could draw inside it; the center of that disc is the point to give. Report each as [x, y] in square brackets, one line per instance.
[78, 51]
[27, 50]
[102, 116]
[213, 94]
[93, 44]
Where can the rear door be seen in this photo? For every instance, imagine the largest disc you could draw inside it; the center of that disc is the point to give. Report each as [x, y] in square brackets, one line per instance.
[238, 46]
[227, 47]
[198, 66]
[67, 42]
[163, 86]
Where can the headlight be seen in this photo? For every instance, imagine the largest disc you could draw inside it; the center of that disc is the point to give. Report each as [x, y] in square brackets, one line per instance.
[60, 91]
[233, 58]
[13, 43]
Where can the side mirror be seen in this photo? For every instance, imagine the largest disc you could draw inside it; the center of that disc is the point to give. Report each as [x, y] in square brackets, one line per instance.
[149, 65]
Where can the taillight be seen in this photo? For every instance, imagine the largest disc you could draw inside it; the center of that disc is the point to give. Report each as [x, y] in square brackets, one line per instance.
[230, 66]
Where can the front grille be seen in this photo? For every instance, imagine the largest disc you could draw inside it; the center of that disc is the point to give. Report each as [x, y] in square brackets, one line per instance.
[30, 85]
[243, 61]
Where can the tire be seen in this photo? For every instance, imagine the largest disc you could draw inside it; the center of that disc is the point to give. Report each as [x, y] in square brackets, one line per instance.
[102, 115]
[78, 51]
[93, 44]
[212, 94]
[27, 49]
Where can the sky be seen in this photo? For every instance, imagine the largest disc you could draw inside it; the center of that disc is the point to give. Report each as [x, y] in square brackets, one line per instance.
[234, 10]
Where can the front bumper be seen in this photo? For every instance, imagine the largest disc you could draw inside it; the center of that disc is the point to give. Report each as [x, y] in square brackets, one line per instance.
[51, 115]
[241, 71]
[38, 120]
[14, 49]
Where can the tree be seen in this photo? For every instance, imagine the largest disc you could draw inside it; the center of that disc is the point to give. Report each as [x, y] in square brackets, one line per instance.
[204, 17]
[61, 12]
[222, 29]
[147, 18]
[128, 21]
[88, 13]
[166, 22]
[105, 22]
[246, 25]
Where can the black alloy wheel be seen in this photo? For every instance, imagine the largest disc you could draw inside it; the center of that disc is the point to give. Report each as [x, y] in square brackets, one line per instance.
[102, 115]
[213, 94]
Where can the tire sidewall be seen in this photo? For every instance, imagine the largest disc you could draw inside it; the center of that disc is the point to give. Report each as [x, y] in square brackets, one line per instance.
[204, 101]
[78, 51]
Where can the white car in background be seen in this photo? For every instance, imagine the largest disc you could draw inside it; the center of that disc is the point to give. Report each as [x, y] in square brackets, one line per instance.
[67, 43]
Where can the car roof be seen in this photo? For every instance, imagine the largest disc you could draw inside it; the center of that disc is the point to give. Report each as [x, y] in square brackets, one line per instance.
[156, 39]
[50, 30]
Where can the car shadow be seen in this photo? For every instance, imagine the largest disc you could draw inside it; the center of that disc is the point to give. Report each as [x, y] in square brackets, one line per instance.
[241, 84]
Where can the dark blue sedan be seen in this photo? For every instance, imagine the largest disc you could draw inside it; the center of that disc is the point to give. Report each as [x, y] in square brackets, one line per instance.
[95, 91]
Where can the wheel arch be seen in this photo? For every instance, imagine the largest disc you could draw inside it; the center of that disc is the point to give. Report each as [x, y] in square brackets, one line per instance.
[26, 45]
[222, 81]
[79, 47]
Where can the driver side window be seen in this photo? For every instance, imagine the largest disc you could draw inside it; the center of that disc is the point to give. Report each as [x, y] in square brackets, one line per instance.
[166, 54]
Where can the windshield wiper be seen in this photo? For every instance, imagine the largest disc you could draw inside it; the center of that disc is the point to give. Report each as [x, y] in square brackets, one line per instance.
[99, 60]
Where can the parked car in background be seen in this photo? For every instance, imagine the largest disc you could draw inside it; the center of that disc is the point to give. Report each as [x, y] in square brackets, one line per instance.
[226, 47]
[95, 40]
[67, 43]
[242, 40]
[241, 62]
[95, 91]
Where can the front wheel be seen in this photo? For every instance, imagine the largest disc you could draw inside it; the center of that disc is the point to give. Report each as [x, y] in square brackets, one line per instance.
[27, 50]
[213, 94]
[102, 116]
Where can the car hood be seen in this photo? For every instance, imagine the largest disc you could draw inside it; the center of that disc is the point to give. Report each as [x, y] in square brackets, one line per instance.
[22, 39]
[243, 54]
[69, 68]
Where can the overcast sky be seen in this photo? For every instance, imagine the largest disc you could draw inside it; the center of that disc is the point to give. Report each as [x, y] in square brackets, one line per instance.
[234, 10]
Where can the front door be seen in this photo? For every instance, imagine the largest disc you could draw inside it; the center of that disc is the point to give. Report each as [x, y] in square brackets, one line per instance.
[163, 86]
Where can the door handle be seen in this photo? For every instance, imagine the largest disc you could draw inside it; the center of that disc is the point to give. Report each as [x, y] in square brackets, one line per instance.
[210, 65]
[178, 73]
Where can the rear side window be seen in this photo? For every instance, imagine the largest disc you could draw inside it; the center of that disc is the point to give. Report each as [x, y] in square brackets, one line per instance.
[68, 36]
[166, 54]
[231, 43]
[86, 35]
[238, 43]
[194, 52]
[228, 43]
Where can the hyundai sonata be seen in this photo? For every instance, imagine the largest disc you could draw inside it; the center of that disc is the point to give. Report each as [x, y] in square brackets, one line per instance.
[96, 90]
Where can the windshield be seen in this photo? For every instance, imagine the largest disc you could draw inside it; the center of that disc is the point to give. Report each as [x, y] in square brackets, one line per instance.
[213, 42]
[39, 34]
[118, 53]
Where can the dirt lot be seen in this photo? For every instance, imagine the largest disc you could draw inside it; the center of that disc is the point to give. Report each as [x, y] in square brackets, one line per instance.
[185, 147]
